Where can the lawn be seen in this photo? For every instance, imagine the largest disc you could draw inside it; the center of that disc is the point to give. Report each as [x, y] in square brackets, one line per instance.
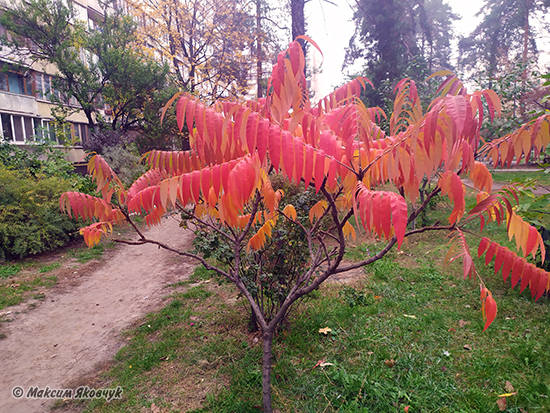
[407, 332]
[536, 177]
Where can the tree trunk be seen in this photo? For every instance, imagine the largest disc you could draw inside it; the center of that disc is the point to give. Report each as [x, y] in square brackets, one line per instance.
[266, 370]
[526, 30]
[298, 23]
[258, 50]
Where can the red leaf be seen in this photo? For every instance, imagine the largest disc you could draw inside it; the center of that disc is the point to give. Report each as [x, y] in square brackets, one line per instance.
[195, 186]
[535, 281]
[308, 164]
[180, 111]
[526, 276]
[287, 151]
[532, 241]
[185, 189]
[490, 253]
[483, 244]
[507, 264]
[275, 146]
[543, 283]
[399, 218]
[319, 170]
[517, 270]
[263, 136]
[499, 259]
[490, 311]
[467, 264]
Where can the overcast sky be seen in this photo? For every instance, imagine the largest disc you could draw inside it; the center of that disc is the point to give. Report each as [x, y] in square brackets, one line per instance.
[330, 27]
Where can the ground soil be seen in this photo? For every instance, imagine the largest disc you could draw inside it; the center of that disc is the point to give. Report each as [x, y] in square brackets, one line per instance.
[79, 323]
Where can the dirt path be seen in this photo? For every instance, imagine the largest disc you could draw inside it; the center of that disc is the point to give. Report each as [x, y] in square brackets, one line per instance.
[72, 331]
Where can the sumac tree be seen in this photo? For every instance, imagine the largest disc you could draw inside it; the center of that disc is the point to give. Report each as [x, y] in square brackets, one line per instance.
[224, 183]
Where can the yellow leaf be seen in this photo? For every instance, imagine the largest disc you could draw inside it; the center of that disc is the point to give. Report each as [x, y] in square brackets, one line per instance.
[348, 231]
[317, 210]
[290, 212]
[507, 394]
[325, 330]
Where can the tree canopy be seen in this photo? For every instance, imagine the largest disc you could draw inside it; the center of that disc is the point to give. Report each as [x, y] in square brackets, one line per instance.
[207, 43]
[94, 65]
[505, 34]
[363, 177]
[400, 39]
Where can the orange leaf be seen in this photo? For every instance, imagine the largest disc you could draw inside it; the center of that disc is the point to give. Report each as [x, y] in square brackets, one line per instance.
[290, 212]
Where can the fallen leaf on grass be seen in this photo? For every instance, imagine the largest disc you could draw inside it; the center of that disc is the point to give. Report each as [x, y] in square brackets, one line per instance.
[326, 364]
[325, 330]
[501, 403]
[409, 316]
[390, 363]
[508, 387]
[463, 323]
[467, 347]
[319, 363]
[508, 394]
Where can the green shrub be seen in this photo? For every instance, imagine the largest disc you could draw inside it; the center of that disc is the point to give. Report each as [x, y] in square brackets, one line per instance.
[30, 219]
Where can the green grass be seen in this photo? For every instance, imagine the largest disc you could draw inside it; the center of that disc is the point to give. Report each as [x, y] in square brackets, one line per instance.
[409, 333]
[406, 309]
[87, 254]
[536, 176]
[9, 270]
[15, 293]
[47, 268]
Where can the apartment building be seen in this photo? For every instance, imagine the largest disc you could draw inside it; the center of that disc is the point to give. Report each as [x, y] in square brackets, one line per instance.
[26, 105]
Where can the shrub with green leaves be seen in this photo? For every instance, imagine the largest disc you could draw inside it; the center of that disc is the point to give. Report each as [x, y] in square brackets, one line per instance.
[30, 219]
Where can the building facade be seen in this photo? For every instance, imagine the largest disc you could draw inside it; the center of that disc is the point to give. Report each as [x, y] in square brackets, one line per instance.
[27, 95]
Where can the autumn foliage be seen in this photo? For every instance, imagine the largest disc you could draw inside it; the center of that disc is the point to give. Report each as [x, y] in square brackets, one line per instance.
[337, 147]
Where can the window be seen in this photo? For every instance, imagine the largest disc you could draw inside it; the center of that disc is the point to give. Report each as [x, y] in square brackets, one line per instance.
[14, 81]
[29, 129]
[7, 130]
[80, 132]
[45, 87]
[17, 128]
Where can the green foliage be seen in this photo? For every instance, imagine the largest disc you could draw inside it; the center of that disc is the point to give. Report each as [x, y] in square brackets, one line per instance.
[514, 85]
[41, 158]
[505, 34]
[15, 293]
[272, 271]
[125, 162]
[354, 297]
[9, 270]
[398, 40]
[47, 268]
[95, 66]
[88, 254]
[30, 220]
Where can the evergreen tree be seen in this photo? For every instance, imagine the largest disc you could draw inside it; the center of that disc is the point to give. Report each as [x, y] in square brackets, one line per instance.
[399, 39]
[505, 34]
